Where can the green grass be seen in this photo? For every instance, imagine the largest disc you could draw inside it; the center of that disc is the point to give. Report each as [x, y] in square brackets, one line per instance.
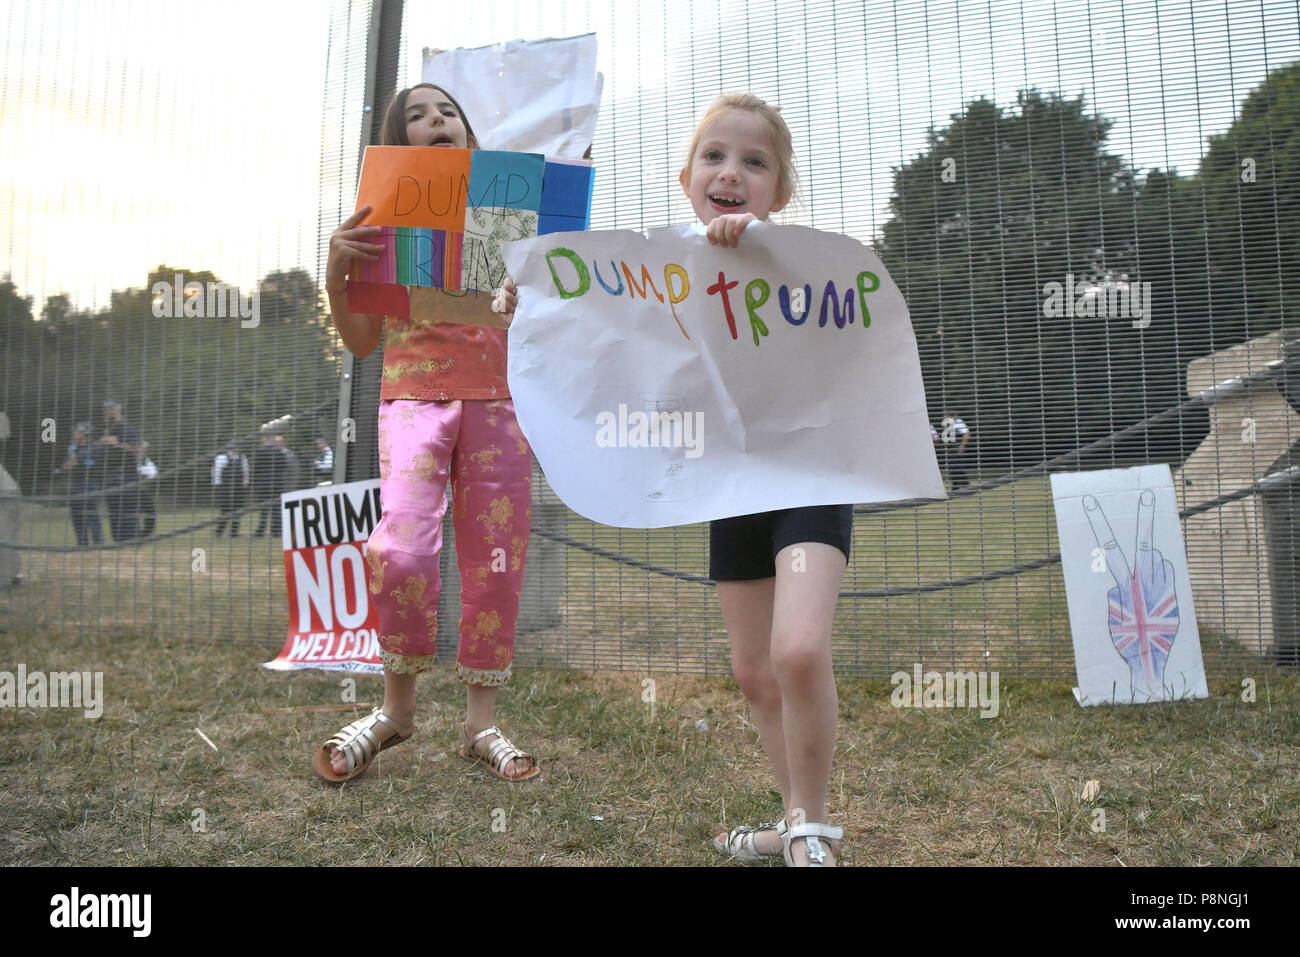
[1192, 783]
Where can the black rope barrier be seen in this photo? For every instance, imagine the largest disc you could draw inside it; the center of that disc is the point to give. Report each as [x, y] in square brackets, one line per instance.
[146, 539]
[1274, 370]
[1209, 397]
[1269, 482]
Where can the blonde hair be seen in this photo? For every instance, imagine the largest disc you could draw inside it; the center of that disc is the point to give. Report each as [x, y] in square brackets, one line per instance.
[787, 180]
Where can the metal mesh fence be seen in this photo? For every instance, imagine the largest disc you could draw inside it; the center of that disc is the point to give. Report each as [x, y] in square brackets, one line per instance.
[986, 151]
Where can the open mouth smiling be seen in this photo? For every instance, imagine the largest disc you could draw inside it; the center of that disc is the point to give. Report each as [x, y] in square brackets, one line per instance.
[726, 201]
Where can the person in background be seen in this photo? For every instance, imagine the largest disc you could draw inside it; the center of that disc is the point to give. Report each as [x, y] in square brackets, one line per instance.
[79, 466]
[230, 482]
[956, 436]
[120, 446]
[268, 465]
[288, 466]
[324, 464]
[148, 491]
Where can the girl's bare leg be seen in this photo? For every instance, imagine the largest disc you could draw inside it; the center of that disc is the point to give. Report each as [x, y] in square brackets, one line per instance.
[480, 713]
[399, 704]
[747, 613]
[807, 585]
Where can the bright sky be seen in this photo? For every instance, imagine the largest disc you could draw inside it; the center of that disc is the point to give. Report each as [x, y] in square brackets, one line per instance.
[143, 132]
[136, 132]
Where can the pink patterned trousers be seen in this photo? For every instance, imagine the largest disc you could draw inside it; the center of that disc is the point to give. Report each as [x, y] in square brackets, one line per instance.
[478, 444]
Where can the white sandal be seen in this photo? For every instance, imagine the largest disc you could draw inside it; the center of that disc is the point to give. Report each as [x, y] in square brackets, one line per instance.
[810, 833]
[740, 844]
[359, 744]
[499, 754]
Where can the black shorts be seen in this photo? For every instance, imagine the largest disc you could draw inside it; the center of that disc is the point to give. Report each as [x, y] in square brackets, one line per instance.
[744, 548]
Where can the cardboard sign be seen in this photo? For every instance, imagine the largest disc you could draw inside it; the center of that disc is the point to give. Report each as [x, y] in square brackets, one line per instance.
[662, 380]
[415, 186]
[1126, 583]
[333, 625]
[445, 214]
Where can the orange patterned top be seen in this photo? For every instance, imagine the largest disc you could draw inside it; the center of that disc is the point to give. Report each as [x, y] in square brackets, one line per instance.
[441, 361]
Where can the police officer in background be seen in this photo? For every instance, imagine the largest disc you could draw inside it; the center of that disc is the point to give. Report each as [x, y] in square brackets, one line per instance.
[230, 481]
[288, 480]
[268, 471]
[79, 466]
[120, 447]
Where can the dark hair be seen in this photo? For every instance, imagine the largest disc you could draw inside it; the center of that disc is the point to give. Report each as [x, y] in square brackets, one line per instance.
[394, 131]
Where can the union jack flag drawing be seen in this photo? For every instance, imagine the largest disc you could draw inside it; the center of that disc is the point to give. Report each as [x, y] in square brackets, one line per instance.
[1144, 622]
[1143, 605]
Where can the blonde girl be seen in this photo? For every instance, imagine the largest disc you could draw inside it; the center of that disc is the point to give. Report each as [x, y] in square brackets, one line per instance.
[778, 614]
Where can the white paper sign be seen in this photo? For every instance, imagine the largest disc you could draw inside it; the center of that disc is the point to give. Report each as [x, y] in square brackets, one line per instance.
[539, 96]
[1130, 599]
[662, 380]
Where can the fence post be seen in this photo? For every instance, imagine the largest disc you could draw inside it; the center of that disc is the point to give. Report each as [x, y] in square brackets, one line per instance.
[360, 379]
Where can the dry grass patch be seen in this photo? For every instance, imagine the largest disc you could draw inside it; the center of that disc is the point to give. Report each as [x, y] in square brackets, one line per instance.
[1210, 782]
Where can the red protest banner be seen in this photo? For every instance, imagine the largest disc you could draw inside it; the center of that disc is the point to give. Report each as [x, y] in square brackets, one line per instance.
[333, 625]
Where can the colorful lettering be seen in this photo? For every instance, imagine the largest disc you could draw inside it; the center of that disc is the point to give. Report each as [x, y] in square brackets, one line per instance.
[613, 292]
[831, 298]
[671, 270]
[863, 289]
[634, 289]
[783, 295]
[584, 278]
[795, 301]
[721, 287]
[753, 301]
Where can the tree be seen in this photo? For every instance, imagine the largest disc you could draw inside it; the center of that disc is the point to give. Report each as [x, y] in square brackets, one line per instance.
[188, 383]
[16, 325]
[1250, 188]
[17, 332]
[999, 205]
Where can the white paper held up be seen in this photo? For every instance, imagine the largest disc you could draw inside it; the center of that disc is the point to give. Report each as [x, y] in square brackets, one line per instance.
[662, 380]
[528, 96]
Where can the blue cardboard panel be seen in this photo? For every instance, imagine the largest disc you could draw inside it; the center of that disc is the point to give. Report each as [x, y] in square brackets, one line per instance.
[506, 180]
[566, 191]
